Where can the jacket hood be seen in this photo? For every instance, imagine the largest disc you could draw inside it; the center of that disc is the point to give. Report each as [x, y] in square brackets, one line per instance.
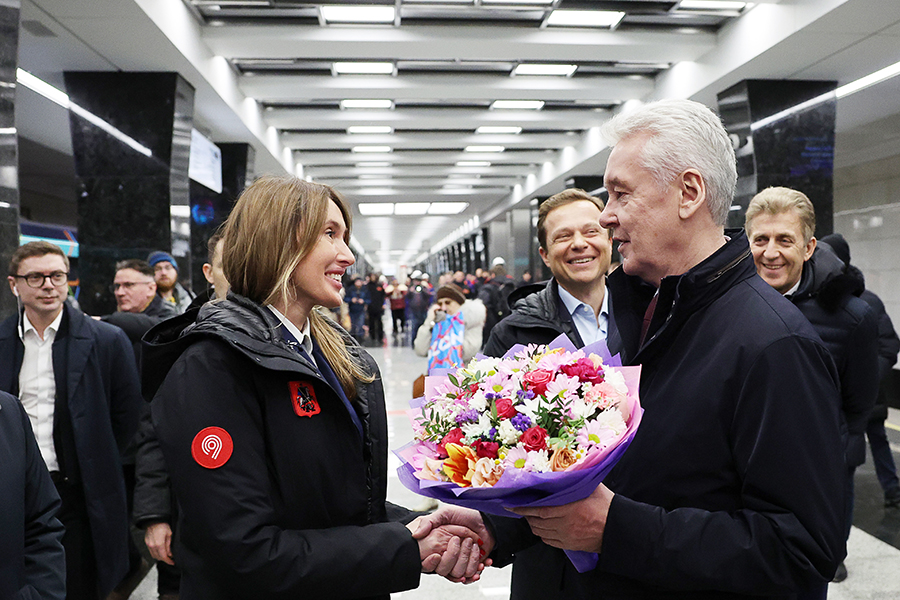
[474, 313]
[241, 323]
[827, 279]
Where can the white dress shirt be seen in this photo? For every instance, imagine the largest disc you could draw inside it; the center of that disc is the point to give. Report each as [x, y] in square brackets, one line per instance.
[590, 328]
[37, 387]
[301, 336]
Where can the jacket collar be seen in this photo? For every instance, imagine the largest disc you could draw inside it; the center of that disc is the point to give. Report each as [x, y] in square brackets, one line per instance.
[679, 295]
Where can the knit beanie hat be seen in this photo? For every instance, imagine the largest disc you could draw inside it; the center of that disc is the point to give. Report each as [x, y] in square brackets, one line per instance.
[839, 245]
[159, 256]
[451, 291]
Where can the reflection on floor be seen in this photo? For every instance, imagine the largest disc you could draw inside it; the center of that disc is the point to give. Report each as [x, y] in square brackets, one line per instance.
[873, 554]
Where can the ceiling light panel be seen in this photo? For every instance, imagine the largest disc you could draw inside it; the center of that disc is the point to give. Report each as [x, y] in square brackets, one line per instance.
[369, 209]
[538, 69]
[484, 149]
[585, 18]
[357, 14]
[371, 149]
[519, 2]
[498, 129]
[411, 208]
[473, 163]
[364, 103]
[372, 164]
[370, 129]
[517, 104]
[363, 68]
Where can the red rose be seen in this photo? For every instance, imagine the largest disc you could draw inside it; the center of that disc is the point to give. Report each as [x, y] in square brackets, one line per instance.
[486, 449]
[453, 437]
[505, 408]
[538, 379]
[584, 370]
[534, 439]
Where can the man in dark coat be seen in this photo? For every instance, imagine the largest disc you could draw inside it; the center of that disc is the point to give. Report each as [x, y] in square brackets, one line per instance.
[888, 347]
[780, 223]
[731, 487]
[32, 562]
[138, 306]
[77, 380]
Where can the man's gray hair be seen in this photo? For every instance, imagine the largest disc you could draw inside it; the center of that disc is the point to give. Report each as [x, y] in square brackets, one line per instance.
[683, 135]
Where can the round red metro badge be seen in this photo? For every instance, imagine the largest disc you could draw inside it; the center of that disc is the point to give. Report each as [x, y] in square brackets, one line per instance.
[212, 447]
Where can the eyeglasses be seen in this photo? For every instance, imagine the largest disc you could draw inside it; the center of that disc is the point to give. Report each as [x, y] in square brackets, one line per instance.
[127, 285]
[36, 280]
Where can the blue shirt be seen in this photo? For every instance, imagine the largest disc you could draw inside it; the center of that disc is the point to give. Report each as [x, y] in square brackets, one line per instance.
[590, 328]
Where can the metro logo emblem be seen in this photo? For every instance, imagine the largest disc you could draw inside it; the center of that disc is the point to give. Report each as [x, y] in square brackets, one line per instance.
[212, 447]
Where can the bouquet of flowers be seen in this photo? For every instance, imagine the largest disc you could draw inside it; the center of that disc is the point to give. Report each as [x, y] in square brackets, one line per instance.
[541, 426]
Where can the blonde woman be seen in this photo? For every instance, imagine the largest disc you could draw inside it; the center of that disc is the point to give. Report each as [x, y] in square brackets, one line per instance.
[272, 422]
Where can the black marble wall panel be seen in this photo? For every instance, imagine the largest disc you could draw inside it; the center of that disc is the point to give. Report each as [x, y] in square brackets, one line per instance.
[9, 159]
[783, 133]
[210, 209]
[129, 132]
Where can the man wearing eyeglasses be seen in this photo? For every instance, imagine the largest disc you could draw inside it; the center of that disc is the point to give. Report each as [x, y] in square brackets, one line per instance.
[79, 387]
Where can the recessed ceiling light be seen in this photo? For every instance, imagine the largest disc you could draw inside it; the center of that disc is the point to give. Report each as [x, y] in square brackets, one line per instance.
[369, 129]
[357, 14]
[375, 208]
[498, 129]
[371, 149]
[711, 5]
[383, 177]
[363, 68]
[411, 208]
[585, 18]
[473, 163]
[536, 69]
[518, 104]
[362, 103]
[447, 208]
[485, 149]
[363, 165]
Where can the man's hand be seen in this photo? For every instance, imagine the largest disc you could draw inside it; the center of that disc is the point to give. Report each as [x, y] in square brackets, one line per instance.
[575, 526]
[158, 538]
[464, 558]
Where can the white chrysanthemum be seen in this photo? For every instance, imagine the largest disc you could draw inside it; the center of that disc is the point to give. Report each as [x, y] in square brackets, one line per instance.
[508, 434]
[478, 401]
[529, 408]
[579, 409]
[474, 431]
[539, 461]
[611, 419]
[616, 379]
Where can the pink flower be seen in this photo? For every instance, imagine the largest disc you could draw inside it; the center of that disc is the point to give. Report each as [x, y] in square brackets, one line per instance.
[537, 380]
[486, 473]
[505, 408]
[584, 370]
[486, 449]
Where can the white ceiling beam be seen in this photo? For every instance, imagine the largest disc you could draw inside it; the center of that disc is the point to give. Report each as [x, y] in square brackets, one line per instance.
[425, 140]
[441, 158]
[455, 43]
[464, 86]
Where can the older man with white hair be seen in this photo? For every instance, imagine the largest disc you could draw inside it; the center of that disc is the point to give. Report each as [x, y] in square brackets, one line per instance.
[728, 489]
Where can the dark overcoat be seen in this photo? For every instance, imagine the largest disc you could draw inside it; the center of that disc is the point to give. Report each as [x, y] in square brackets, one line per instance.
[93, 362]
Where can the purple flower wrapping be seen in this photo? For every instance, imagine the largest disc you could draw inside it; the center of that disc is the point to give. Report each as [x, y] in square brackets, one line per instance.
[520, 488]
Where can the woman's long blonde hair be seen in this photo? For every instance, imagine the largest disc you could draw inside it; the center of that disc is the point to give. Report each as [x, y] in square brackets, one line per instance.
[274, 225]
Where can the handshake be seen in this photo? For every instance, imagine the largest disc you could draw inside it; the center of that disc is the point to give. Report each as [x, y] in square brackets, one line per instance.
[454, 543]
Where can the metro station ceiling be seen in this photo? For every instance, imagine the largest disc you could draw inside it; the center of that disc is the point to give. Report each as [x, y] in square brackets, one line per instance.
[442, 154]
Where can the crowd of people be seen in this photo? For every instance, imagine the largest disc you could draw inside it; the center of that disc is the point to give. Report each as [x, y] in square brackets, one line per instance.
[244, 430]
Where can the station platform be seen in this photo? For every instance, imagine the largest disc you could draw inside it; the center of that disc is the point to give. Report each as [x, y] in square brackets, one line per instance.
[874, 546]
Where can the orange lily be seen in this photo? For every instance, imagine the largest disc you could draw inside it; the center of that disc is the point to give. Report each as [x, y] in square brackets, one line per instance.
[460, 464]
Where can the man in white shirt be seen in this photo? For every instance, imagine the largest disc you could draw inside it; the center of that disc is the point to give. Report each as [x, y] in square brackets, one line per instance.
[78, 384]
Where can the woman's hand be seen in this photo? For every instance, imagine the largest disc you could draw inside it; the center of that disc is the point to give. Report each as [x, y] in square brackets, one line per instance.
[158, 538]
[452, 551]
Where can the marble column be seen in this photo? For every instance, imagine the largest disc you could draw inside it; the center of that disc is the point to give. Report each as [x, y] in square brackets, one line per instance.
[209, 209]
[783, 133]
[131, 135]
[9, 146]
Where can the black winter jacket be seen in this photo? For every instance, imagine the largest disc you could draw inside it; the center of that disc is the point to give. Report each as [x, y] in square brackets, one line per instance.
[539, 318]
[888, 347]
[827, 297]
[298, 510]
[733, 484]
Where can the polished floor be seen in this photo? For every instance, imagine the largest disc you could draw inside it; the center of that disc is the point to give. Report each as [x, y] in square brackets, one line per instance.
[874, 548]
